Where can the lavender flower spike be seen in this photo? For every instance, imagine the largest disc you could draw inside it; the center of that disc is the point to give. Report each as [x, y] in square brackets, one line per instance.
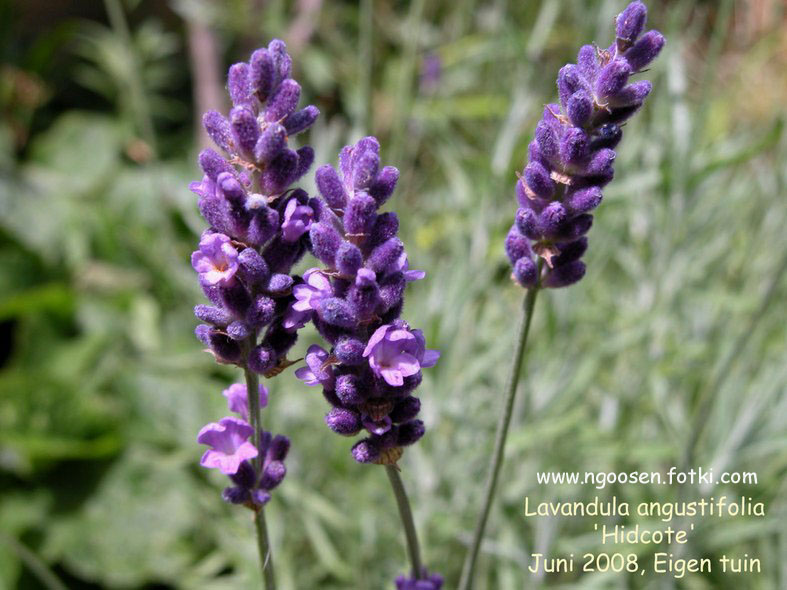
[572, 157]
[375, 361]
[258, 230]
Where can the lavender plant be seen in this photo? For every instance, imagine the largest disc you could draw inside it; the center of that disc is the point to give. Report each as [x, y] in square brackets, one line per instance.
[375, 359]
[571, 159]
[259, 228]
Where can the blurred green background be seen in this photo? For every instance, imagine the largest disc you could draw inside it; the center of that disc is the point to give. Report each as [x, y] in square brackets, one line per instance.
[671, 349]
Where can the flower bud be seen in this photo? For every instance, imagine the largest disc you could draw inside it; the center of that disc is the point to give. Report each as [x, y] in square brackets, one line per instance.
[301, 120]
[272, 475]
[360, 214]
[612, 78]
[573, 146]
[538, 180]
[253, 268]
[213, 164]
[632, 95]
[568, 82]
[385, 256]
[405, 409]
[384, 184]
[552, 218]
[238, 84]
[517, 245]
[571, 252]
[583, 200]
[343, 421]
[213, 315]
[284, 100]
[348, 259]
[349, 351]
[365, 169]
[325, 242]
[629, 24]
[245, 129]
[261, 74]
[348, 389]
[580, 108]
[410, 432]
[238, 331]
[365, 451]
[280, 283]
[337, 312]
[587, 62]
[563, 276]
[219, 130]
[261, 312]
[386, 226]
[526, 272]
[270, 144]
[644, 50]
[330, 187]
[527, 223]
[262, 359]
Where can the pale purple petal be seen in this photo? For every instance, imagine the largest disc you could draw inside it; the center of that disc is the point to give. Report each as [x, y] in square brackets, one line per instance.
[229, 439]
[392, 376]
[430, 358]
[376, 338]
[406, 363]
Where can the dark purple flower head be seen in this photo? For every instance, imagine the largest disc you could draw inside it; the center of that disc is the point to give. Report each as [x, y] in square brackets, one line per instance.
[572, 157]
[355, 303]
[426, 582]
[258, 230]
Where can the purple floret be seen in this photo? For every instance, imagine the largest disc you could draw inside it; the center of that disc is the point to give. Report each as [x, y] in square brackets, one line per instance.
[229, 442]
[396, 353]
[238, 399]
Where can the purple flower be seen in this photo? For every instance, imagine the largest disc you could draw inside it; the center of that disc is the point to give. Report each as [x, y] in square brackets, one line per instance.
[395, 353]
[375, 359]
[317, 286]
[238, 399]
[216, 261]
[572, 157]
[427, 582]
[248, 204]
[229, 439]
[316, 372]
[297, 220]
[404, 267]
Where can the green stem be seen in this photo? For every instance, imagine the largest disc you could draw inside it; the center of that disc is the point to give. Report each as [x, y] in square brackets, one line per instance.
[34, 563]
[263, 545]
[407, 520]
[264, 548]
[468, 569]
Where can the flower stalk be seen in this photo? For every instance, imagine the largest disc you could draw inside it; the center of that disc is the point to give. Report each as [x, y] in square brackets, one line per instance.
[406, 514]
[529, 304]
